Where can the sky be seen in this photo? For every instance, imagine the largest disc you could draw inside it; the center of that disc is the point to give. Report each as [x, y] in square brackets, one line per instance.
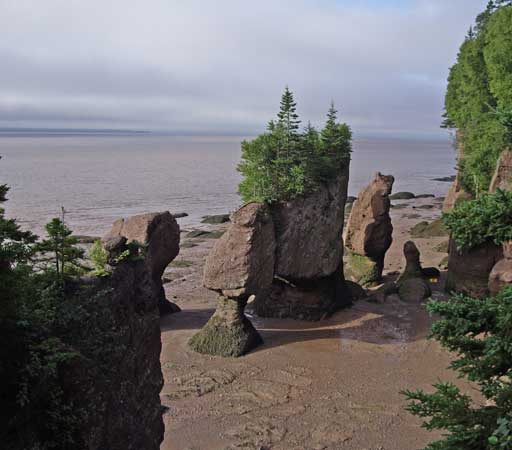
[220, 66]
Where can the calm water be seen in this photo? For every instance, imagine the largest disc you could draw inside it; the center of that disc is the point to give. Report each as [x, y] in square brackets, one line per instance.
[101, 178]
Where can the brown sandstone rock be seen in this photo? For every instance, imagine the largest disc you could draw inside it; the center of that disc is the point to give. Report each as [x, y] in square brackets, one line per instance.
[308, 277]
[414, 290]
[502, 178]
[456, 193]
[412, 263]
[369, 230]
[159, 234]
[242, 262]
[501, 273]
[468, 271]
[228, 332]
[309, 232]
[240, 265]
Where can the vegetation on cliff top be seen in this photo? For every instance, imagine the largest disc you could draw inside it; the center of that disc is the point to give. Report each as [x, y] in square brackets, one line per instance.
[284, 162]
[479, 95]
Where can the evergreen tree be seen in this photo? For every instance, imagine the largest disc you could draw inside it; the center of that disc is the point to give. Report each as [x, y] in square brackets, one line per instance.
[288, 126]
[336, 137]
[284, 163]
[480, 82]
[478, 331]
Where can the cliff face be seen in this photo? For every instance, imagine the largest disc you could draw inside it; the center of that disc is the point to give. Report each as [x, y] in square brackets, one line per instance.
[117, 378]
[113, 382]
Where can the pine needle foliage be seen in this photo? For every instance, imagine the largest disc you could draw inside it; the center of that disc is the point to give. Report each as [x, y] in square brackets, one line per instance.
[285, 162]
[479, 332]
[479, 85]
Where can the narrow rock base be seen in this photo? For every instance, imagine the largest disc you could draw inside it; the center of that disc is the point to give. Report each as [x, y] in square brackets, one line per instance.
[361, 269]
[313, 302]
[228, 333]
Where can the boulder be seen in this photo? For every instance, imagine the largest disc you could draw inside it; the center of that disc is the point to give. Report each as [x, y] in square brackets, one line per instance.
[228, 333]
[414, 290]
[425, 229]
[159, 236]
[216, 219]
[502, 178]
[369, 231]
[501, 273]
[469, 270]
[402, 196]
[242, 261]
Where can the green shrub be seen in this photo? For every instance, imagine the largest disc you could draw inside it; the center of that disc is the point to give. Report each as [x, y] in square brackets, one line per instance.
[486, 219]
[478, 331]
[284, 163]
[99, 259]
[479, 94]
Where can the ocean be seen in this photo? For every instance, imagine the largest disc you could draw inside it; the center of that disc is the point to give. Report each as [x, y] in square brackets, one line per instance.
[99, 178]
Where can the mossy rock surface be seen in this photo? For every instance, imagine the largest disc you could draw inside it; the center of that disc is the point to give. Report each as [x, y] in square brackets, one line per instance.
[361, 269]
[219, 339]
[216, 219]
[402, 196]
[428, 230]
[442, 247]
[188, 244]
[414, 290]
[228, 333]
[205, 234]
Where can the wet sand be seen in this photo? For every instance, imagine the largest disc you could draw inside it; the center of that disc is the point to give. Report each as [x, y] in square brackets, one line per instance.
[333, 384]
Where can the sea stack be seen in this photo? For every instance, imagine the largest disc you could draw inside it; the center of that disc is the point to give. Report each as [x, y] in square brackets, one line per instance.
[308, 276]
[369, 232]
[159, 235]
[240, 265]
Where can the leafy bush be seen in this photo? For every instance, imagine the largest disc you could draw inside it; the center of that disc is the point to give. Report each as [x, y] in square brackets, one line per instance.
[99, 258]
[479, 91]
[488, 218]
[478, 331]
[284, 163]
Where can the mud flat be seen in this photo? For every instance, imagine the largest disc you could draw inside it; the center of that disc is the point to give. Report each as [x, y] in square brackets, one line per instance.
[332, 384]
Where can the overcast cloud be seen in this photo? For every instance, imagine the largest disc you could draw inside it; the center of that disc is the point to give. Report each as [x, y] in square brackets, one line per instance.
[219, 66]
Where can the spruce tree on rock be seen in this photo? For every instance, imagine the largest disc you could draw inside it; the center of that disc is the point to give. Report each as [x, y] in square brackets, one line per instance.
[288, 121]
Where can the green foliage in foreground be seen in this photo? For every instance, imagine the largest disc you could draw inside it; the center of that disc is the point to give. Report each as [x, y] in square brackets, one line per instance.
[486, 219]
[284, 163]
[479, 95]
[99, 258]
[479, 332]
[36, 324]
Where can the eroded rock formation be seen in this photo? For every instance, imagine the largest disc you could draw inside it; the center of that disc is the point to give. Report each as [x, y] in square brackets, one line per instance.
[159, 235]
[486, 268]
[369, 232]
[412, 286]
[240, 265]
[288, 255]
[502, 178]
[456, 193]
[501, 273]
[468, 271]
[308, 276]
